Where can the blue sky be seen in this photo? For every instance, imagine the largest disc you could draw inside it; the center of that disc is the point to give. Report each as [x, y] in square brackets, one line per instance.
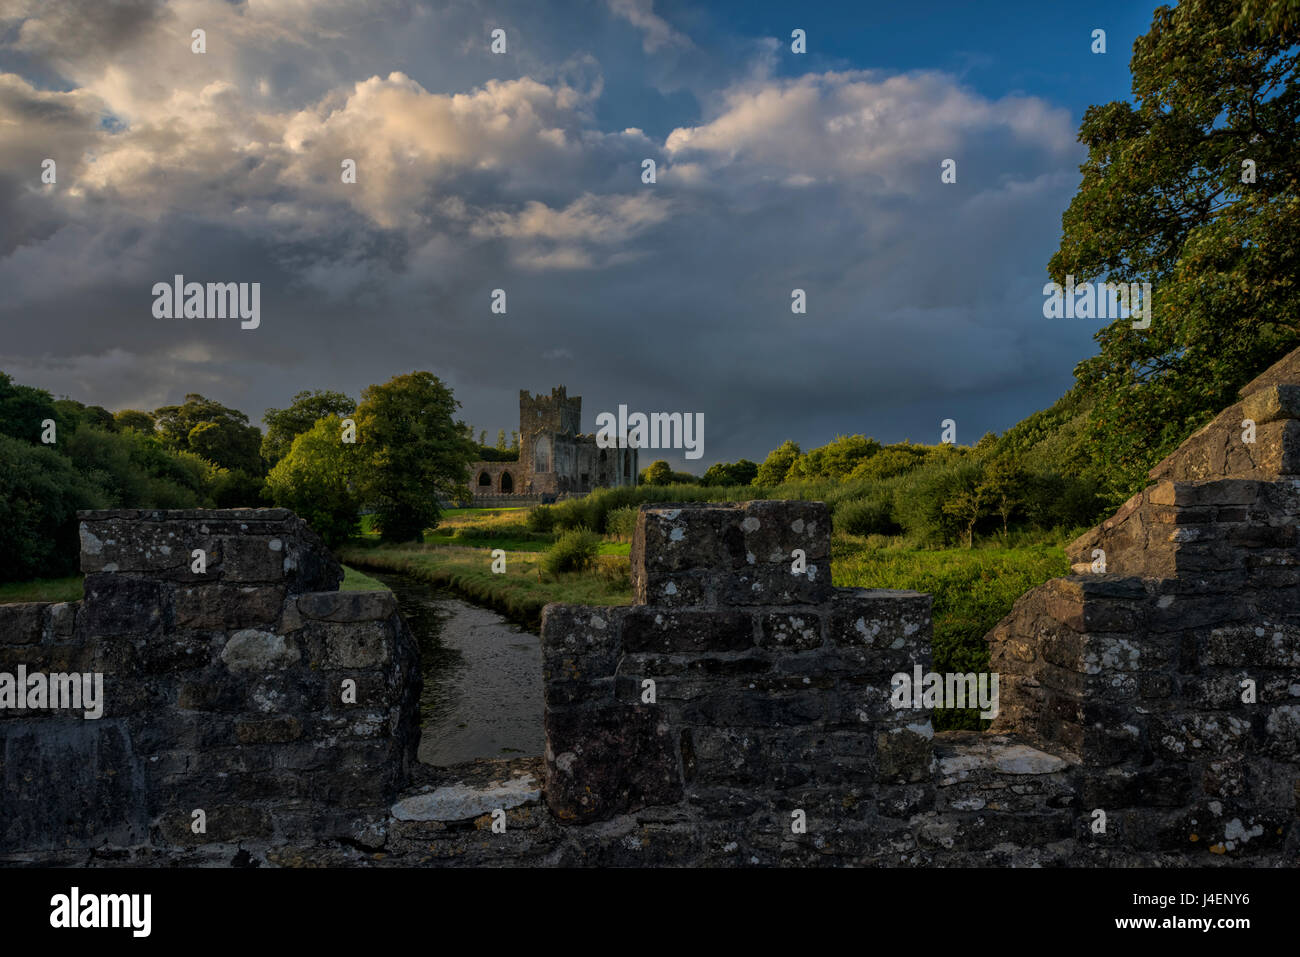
[521, 171]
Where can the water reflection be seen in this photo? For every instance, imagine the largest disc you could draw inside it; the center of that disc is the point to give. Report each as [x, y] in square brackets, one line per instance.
[482, 693]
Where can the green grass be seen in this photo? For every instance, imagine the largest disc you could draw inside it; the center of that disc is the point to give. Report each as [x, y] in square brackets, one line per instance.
[521, 592]
[354, 580]
[42, 589]
[973, 590]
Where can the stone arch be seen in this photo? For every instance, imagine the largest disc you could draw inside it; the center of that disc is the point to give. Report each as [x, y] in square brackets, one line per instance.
[507, 484]
[484, 480]
[542, 454]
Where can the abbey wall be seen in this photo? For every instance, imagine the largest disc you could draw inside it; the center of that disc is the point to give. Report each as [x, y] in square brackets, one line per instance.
[555, 458]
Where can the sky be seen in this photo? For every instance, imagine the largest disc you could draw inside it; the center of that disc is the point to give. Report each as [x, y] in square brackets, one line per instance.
[522, 171]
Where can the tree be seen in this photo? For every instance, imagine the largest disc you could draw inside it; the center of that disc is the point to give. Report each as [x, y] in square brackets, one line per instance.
[1004, 484]
[40, 493]
[501, 441]
[304, 411]
[890, 461]
[220, 435]
[134, 419]
[1195, 188]
[658, 472]
[965, 502]
[23, 409]
[777, 465]
[836, 459]
[742, 472]
[923, 504]
[413, 452]
[79, 414]
[317, 479]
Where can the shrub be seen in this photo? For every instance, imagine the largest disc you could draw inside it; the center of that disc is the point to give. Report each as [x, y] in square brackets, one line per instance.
[573, 551]
[620, 523]
[40, 493]
[574, 513]
[871, 515]
[919, 501]
[541, 518]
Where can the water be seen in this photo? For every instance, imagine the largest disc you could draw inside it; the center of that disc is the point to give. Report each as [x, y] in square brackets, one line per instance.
[482, 694]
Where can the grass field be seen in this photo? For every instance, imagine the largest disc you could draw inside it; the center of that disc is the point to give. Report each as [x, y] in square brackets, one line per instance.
[42, 589]
[520, 592]
[972, 590]
[354, 580]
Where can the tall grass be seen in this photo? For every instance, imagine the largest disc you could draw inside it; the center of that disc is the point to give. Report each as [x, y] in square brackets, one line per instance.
[972, 590]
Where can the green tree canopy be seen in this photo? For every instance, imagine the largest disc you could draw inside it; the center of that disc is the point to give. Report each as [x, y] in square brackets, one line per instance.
[209, 429]
[658, 472]
[778, 463]
[79, 414]
[306, 408]
[317, 479]
[414, 451]
[40, 492]
[23, 409]
[741, 472]
[1167, 197]
[134, 419]
[836, 459]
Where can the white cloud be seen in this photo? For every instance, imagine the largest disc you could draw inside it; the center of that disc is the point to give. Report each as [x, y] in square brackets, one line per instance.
[657, 32]
[678, 291]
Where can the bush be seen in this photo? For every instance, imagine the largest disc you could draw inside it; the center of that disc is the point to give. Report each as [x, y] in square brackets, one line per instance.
[40, 493]
[872, 515]
[314, 480]
[236, 489]
[919, 501]
[541, 518]
[574, 513]
[620, 523]
[574, 551]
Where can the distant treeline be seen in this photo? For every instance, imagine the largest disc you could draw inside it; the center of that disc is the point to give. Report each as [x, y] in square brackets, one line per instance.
[396, 451]
[933, 494]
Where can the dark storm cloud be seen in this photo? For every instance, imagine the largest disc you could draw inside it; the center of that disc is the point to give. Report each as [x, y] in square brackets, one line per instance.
[524, 173]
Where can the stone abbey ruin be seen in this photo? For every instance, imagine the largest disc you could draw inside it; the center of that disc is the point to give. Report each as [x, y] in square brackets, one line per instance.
[738, 713]
[555, 457]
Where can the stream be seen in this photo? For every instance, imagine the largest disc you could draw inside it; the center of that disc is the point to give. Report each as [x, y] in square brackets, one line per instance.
[482, 694]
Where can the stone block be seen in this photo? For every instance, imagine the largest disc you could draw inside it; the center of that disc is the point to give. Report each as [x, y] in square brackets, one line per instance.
[648, 629]
[22, 624]
[732, 553]
[606, 761]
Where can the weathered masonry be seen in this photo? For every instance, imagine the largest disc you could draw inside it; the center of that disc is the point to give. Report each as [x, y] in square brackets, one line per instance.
[249, 704]
[555, 458]
[737, 713]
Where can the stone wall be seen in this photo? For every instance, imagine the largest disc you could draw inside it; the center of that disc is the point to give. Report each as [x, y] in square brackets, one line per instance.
[770, 691]
[228, 687]
[740, 712]
[1168, 666]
